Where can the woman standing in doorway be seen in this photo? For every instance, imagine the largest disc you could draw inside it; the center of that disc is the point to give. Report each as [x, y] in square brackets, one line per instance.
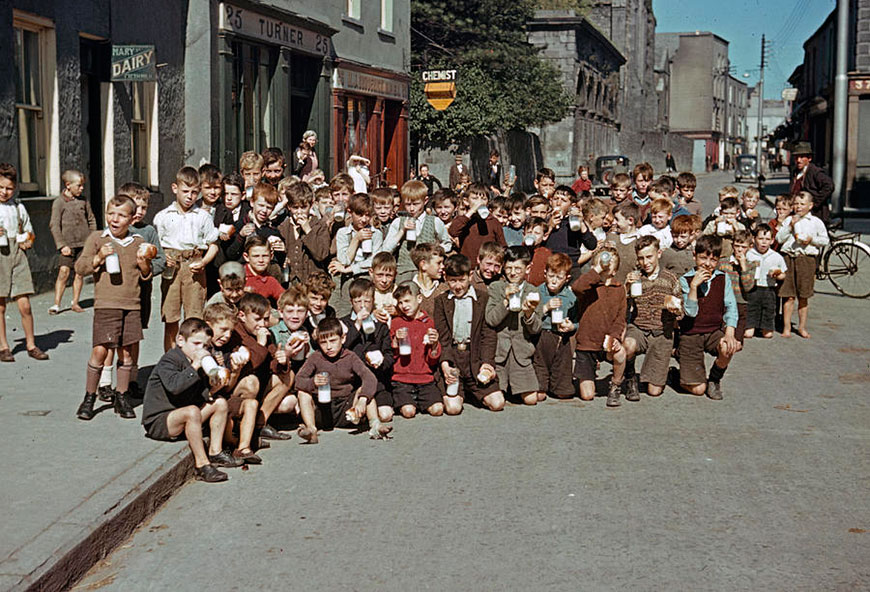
[306, 157]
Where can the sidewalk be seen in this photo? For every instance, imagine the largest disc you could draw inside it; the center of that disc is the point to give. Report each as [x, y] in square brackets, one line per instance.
[73, 489]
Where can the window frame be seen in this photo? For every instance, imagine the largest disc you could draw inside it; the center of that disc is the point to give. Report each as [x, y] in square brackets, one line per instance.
[387, 16]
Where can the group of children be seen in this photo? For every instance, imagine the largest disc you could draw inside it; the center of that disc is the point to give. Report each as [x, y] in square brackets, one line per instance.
[342, 309]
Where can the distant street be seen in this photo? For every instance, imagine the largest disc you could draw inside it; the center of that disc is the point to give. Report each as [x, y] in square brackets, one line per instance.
[765, 490]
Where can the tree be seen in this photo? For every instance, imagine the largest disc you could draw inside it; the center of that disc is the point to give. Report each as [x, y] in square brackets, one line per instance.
[503, 83]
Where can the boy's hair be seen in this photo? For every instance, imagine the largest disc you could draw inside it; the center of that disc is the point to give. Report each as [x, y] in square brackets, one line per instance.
[559, 263]
[217, 312]
[232, 281]
[784, 198]
[321, 193]
[594, 207]
[272, 155]
[644, 170]
[424, 252]
[233, 180]
[498, 203]
[494, 152]
[382, 195]
[254, 303]
[646, 241]
[192, 326]
[742, 236]
[405, 289]
[444, 194]
[70, 175]
[666, 183]
[187, 176]
[752, 191]
[384, 260]
[545, 173]
[686, 223]
[728, 191]
[209, 173]
[266, 191]
[728, 203]
[360, 204]
[762, 228]
[630, 211]
[620, 181]
[478, 188]
[687, 180]
[360, 287]
[297, 193]
[491, 249]
[121, 201]
[566, 189]
[661, 204]
[533, 221]
[517, 253]
[320, 283]
[329, 327]
[295, 295]
[413, 191]
[7, 171]
[537, 200]
[341, 181]
[457, 265]
[250, 161]
[709, 244]
[514, 201]
[802, 195]
[134, 191]
[255, 240]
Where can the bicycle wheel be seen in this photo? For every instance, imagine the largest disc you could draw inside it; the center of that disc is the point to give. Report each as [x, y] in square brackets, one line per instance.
[847, 264]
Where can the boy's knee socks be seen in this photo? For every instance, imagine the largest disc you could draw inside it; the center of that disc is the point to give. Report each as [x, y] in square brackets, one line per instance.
[629, 368]
[92, 378]
[716, 373]
[124, 374]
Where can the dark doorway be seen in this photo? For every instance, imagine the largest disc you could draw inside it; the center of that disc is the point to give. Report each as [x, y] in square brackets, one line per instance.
[304, 75]
[94, 56]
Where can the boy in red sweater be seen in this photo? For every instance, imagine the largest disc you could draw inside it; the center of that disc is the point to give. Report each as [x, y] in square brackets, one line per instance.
[258, 255]
[416, 351]
[601, 327]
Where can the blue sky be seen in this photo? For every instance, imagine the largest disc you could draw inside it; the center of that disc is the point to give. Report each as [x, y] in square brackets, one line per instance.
[742, 22]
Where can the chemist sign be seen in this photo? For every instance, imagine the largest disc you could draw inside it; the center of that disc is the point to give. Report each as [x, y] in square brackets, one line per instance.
[440, 87]
[134, 63]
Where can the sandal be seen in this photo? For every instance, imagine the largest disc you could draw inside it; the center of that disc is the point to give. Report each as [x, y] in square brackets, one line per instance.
[6, 356]
[54, 310]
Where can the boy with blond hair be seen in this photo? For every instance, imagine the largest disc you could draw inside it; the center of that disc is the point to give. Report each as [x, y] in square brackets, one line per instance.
[383, 276]
[71, 222]
[679, 257]
[251, 169]
[659, 225]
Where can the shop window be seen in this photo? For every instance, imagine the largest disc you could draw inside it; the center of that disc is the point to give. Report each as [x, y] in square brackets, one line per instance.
[387, 15]
[33, 41]
[143, 128]
[353, 9]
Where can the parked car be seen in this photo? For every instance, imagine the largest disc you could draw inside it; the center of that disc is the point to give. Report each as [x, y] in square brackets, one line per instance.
[746, 168]
[605, 168]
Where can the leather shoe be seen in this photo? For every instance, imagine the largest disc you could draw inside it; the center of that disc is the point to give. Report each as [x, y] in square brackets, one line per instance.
[6, 356]
[86, 409]
[37, 354]
[106, 393]
[123, 407]
[225, 459]
[271, 433]
[249, 457]
[209, 474]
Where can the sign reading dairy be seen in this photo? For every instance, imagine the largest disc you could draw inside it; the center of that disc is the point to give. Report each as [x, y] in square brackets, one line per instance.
[134, 63]
[440, 87]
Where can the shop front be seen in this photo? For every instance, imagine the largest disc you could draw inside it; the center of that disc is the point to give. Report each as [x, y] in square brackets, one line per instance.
[370, 119]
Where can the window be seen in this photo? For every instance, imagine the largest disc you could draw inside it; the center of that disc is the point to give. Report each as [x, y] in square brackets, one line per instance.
[387, 15]
[143, 140]
[353, 9]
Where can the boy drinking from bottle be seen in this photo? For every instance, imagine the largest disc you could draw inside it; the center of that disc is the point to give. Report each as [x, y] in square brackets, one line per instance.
[552, 359]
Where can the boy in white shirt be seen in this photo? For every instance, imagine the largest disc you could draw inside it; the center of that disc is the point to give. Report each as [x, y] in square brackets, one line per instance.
[801, 237]
[660, 220]
[761, 301]
[185, 231]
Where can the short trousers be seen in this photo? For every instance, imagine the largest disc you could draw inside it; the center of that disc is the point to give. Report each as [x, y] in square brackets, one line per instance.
[159, 430]
[234, 407]
[693, 369]
[741, 321]
[468, 383]
[516, 378]
[332, 415]
[423, 396]
[657, 349]
[800, 277]
[552, 362]
[384, 398]
[186, 289]
[114, 327]
[761, 309]
[15, 278]
[69, 260]
[586, 364]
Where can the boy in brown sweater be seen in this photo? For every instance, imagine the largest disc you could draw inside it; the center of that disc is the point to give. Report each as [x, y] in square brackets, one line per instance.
[71, 222]
[118, 264]
[600, 331]
[341, 383]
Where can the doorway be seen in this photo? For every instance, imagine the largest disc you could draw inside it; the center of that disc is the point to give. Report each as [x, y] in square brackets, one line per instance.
[94, 57]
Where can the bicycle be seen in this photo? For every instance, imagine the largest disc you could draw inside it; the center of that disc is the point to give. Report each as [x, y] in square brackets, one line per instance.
[846, 263]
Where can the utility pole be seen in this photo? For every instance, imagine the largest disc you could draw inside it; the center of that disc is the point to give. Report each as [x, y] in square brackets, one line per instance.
[841, 90]
[760, 97]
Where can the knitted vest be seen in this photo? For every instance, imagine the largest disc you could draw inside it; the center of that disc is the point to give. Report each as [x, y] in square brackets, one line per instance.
[427, 235]
[711, 310]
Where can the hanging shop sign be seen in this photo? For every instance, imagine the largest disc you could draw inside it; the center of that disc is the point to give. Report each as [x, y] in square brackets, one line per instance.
[440, 87]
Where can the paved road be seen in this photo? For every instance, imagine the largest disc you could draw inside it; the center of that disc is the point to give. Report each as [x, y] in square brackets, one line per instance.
[766, 490]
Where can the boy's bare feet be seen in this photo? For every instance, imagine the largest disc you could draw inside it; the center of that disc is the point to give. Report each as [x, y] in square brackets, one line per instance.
[767, 335]
[786, 334]
[803, 333]
[76, 308]
[308, 434]
[379, 431]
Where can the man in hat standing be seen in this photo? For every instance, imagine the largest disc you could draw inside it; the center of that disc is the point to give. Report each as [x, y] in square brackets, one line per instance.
[812, 179]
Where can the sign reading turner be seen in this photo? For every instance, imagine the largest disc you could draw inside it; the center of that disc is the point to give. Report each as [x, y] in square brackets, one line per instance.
[242, 21]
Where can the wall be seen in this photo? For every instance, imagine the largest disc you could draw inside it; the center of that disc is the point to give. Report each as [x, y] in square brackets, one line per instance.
[691, 99]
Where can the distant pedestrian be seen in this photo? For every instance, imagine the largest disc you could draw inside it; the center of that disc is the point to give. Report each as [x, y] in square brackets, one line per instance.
[670, 163]
[429, 180]
[71, 222]
[582, 183]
